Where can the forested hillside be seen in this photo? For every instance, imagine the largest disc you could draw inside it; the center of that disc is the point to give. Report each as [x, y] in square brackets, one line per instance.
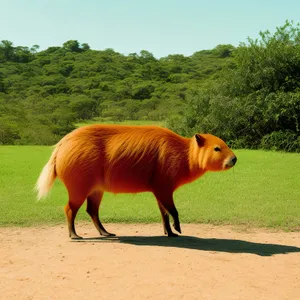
[247, 95]
[42, 94]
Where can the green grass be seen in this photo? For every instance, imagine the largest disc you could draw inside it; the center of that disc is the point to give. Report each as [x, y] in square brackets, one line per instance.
[262, 190]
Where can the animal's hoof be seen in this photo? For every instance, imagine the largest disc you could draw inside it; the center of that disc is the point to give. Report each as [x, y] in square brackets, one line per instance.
[76, 237]
[107, 234]
[177, 227]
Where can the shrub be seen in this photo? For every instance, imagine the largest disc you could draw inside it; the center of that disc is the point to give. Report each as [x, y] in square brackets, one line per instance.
[281, 140]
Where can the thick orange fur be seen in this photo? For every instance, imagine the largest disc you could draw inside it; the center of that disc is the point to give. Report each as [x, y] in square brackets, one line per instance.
[130, 159]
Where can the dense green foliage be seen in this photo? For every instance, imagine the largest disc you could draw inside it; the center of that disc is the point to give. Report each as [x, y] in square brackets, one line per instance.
[42, 94]
[256, 104]
[260, 191]
[249, 95]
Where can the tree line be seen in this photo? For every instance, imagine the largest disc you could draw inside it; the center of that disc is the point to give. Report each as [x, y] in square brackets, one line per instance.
[248, 95]
[44, 93]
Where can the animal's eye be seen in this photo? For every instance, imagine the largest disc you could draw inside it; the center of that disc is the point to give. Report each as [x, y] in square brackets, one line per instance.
[217, 149]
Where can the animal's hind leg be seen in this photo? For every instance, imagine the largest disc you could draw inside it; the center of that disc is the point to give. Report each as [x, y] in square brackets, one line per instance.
[166, 221]
[93, 203]
[71, 210]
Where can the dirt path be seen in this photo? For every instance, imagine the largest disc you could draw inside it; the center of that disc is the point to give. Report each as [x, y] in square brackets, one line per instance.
[208, 262]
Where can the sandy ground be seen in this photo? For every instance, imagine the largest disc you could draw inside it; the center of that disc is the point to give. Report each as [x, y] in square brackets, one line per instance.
[207, 262]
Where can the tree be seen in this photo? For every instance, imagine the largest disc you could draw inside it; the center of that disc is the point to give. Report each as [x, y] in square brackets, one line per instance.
[84, 107]
[146, 55]
[271, 63]
[9, 132]
[22, 54]
[72, 46]
[85, 47]
[34, 49]
[143, 91]
[6, 50]
[2, 85]
[223, 50]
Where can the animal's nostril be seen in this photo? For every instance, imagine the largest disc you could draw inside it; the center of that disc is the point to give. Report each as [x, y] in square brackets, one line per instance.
[234, 159]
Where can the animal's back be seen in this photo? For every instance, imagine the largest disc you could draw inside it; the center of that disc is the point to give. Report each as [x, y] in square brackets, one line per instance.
[119, 158]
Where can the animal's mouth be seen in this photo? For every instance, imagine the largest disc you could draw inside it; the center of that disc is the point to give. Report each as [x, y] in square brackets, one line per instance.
[230, 163]
[227, 166]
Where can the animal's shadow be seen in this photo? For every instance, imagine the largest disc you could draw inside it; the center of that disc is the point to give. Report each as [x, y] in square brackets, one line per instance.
[203, 244]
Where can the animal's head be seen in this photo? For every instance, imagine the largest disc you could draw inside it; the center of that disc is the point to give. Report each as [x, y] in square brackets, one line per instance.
[214, 154]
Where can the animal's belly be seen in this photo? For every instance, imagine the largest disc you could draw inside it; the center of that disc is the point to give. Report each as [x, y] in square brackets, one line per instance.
[127, 182]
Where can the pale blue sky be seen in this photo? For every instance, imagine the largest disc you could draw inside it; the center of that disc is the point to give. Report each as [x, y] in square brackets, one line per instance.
[160, 26]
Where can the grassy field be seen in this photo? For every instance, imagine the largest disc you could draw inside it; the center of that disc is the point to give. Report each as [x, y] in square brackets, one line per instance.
[262, 190]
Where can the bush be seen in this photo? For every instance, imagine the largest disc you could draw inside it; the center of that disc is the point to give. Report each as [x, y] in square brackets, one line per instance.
[281, 140]
[35, 134]
[9, 132]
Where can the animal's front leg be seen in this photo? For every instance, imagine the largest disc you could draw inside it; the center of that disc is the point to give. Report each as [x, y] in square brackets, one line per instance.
[166, 205]
[175, 216]
[166, 221]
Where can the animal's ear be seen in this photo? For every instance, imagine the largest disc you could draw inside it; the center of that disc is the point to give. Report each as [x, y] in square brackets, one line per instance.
[200, 140]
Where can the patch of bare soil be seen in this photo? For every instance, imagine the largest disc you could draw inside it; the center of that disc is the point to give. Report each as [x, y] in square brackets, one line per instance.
[206, 262]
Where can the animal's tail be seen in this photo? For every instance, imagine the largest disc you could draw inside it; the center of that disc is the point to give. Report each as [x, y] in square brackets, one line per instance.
[47, 176]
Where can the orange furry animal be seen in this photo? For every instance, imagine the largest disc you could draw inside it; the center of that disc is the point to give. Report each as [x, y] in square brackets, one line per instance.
[130, 159]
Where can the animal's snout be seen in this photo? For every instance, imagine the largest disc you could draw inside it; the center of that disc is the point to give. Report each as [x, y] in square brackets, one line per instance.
[231, 162]
[234, 160]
